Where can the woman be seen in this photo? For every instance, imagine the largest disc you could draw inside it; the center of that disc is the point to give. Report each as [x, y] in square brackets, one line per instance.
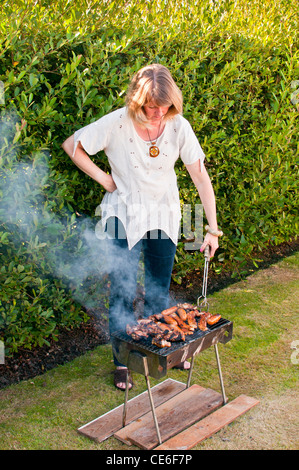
[141, 208]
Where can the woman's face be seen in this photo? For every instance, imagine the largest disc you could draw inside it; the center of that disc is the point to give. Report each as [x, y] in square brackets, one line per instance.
[155, 113]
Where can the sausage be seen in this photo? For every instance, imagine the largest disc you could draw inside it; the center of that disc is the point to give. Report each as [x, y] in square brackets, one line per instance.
[213, 319]
[178, 320]
[182, 313]
[168, 311]
[170, 320]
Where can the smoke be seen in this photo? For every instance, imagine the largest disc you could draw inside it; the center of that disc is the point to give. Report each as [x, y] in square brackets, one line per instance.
[62, 245]
[67, 244]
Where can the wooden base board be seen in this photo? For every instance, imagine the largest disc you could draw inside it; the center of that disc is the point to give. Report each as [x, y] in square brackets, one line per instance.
[106, 425]
[185, 416]
[209, 425]
[173, 416]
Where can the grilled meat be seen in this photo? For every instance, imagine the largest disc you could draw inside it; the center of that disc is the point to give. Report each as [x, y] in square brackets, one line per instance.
[178, 319]
[186, 306]
[160, 342]
[191, 321]
[172, 324]
[184, 326]
[153, 328]
[175, 335]
[144, 322]
[170, 320]
[137, 332]
[196, 313]
[206, 314]
[202, 325]
[156, 317]
[162, 327]
[169, 310]
[213, 319]
[182, 313]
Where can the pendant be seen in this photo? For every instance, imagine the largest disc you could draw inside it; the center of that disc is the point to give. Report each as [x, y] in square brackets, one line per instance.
[154, 151]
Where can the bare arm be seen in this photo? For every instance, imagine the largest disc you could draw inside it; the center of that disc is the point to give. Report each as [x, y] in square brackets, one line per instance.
[82, 161]
[205, 190]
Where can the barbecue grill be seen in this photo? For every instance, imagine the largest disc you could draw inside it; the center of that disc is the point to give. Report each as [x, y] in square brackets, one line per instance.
[151, 361]
[160, 360]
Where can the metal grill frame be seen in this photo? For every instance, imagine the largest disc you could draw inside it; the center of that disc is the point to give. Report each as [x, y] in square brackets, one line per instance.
[160, 360]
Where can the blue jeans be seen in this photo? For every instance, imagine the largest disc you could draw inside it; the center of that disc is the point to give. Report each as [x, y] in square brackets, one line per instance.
[158, 256]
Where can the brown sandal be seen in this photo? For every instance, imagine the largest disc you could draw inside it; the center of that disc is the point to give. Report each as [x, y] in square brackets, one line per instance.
[120, 376]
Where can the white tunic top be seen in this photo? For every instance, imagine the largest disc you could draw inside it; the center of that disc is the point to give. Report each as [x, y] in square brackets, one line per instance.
[147, 196]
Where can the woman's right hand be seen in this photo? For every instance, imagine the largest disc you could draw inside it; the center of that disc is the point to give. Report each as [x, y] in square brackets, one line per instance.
[82, 160]
[109, 184]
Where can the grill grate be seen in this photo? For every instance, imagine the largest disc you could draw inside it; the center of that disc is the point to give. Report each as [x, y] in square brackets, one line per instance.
[146, 344]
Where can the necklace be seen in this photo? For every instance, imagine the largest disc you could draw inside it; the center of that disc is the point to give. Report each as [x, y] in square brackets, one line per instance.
[154, 150]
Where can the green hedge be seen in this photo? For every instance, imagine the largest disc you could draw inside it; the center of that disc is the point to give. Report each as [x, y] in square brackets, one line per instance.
[65, 64]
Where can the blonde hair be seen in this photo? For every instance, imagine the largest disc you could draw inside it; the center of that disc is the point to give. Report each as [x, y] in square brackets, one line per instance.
[153, 84]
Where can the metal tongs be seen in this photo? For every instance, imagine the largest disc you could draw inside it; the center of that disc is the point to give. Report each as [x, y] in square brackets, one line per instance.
[203, 303]
[202, 299]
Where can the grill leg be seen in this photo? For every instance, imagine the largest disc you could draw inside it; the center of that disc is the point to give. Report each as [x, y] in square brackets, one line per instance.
[190, 372]
[126, 399]
[126, 390]
[220, 374]
[146, 373]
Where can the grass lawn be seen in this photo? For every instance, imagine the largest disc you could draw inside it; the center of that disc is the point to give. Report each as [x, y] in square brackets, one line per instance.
[45, 412]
